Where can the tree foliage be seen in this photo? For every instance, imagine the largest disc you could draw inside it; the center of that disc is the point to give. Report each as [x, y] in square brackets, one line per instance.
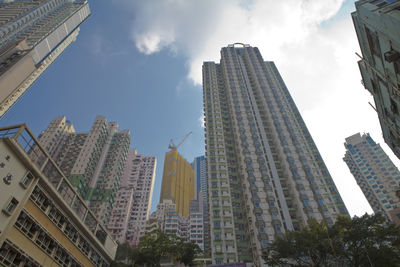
[153, 247]
[361, 241]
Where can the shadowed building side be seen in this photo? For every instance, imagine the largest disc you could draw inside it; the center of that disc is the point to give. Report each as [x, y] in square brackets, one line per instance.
[32, 35]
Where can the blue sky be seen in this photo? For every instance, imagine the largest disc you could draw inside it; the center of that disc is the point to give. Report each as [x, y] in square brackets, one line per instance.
[102, 73]
[139, 63]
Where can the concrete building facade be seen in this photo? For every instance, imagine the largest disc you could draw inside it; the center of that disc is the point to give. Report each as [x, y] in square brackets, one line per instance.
[32, 35]
[377, 27]
[133, 202]
[375, 173]
[43, 220]
[265, 174]
[92, 161]
[178, 182]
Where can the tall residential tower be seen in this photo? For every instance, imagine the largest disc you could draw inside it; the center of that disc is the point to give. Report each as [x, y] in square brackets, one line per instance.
[265, 174]
[133, 201]
[375, 173]
[33, 33]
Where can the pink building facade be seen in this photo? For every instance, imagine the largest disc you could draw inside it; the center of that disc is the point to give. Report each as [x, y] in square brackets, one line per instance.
[133, 201]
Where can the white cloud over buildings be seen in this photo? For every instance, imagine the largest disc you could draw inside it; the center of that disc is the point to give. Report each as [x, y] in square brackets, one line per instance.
[313, 48]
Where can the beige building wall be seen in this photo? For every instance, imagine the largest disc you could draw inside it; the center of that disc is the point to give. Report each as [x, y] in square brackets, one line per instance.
[43, 222]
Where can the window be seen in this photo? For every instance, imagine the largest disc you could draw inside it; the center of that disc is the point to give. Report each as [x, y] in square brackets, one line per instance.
[25, 182]
[10, 207]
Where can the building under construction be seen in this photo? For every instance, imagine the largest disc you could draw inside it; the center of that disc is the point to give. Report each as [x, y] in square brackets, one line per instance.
[178, 180]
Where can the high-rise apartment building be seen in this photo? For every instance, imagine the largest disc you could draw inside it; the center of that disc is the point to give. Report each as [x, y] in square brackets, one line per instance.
[33, 33]
[200, 172]
[43, 220]
[375, 173]
[92, 161]
[377, 26]
[177, 182]
[133, 201]
[265, 174]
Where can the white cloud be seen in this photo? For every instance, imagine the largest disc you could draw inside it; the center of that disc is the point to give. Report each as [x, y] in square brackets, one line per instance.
[201, 120]
[316, 61]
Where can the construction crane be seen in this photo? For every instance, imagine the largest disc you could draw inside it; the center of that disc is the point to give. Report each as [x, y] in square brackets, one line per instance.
[172, 146]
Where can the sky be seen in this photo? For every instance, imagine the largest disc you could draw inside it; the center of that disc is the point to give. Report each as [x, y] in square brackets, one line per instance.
[138, 63]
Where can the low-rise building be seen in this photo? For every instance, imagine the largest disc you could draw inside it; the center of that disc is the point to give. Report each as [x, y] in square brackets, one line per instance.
[43, 220]
[166, 219]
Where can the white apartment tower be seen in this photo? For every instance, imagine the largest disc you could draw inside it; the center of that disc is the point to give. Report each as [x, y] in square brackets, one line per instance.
[265, 174]
[33, 33]
[133, 202]
[375, 173]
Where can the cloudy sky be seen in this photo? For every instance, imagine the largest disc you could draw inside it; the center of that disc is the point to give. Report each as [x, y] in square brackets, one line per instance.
[139, 63]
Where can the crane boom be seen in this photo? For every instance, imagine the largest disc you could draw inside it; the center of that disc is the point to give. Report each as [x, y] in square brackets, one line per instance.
[172, 146]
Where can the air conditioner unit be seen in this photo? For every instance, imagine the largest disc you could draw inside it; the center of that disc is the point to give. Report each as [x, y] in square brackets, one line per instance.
[391, 56]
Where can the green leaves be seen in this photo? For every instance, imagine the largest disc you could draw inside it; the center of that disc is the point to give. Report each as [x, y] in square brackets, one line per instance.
[361, 241]
[153, 248]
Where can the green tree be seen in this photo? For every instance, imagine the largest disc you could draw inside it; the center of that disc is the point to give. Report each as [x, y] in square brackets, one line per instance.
[123, 256]
[186, 253]
[361, 241]
[153, 247]
[368, 241]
